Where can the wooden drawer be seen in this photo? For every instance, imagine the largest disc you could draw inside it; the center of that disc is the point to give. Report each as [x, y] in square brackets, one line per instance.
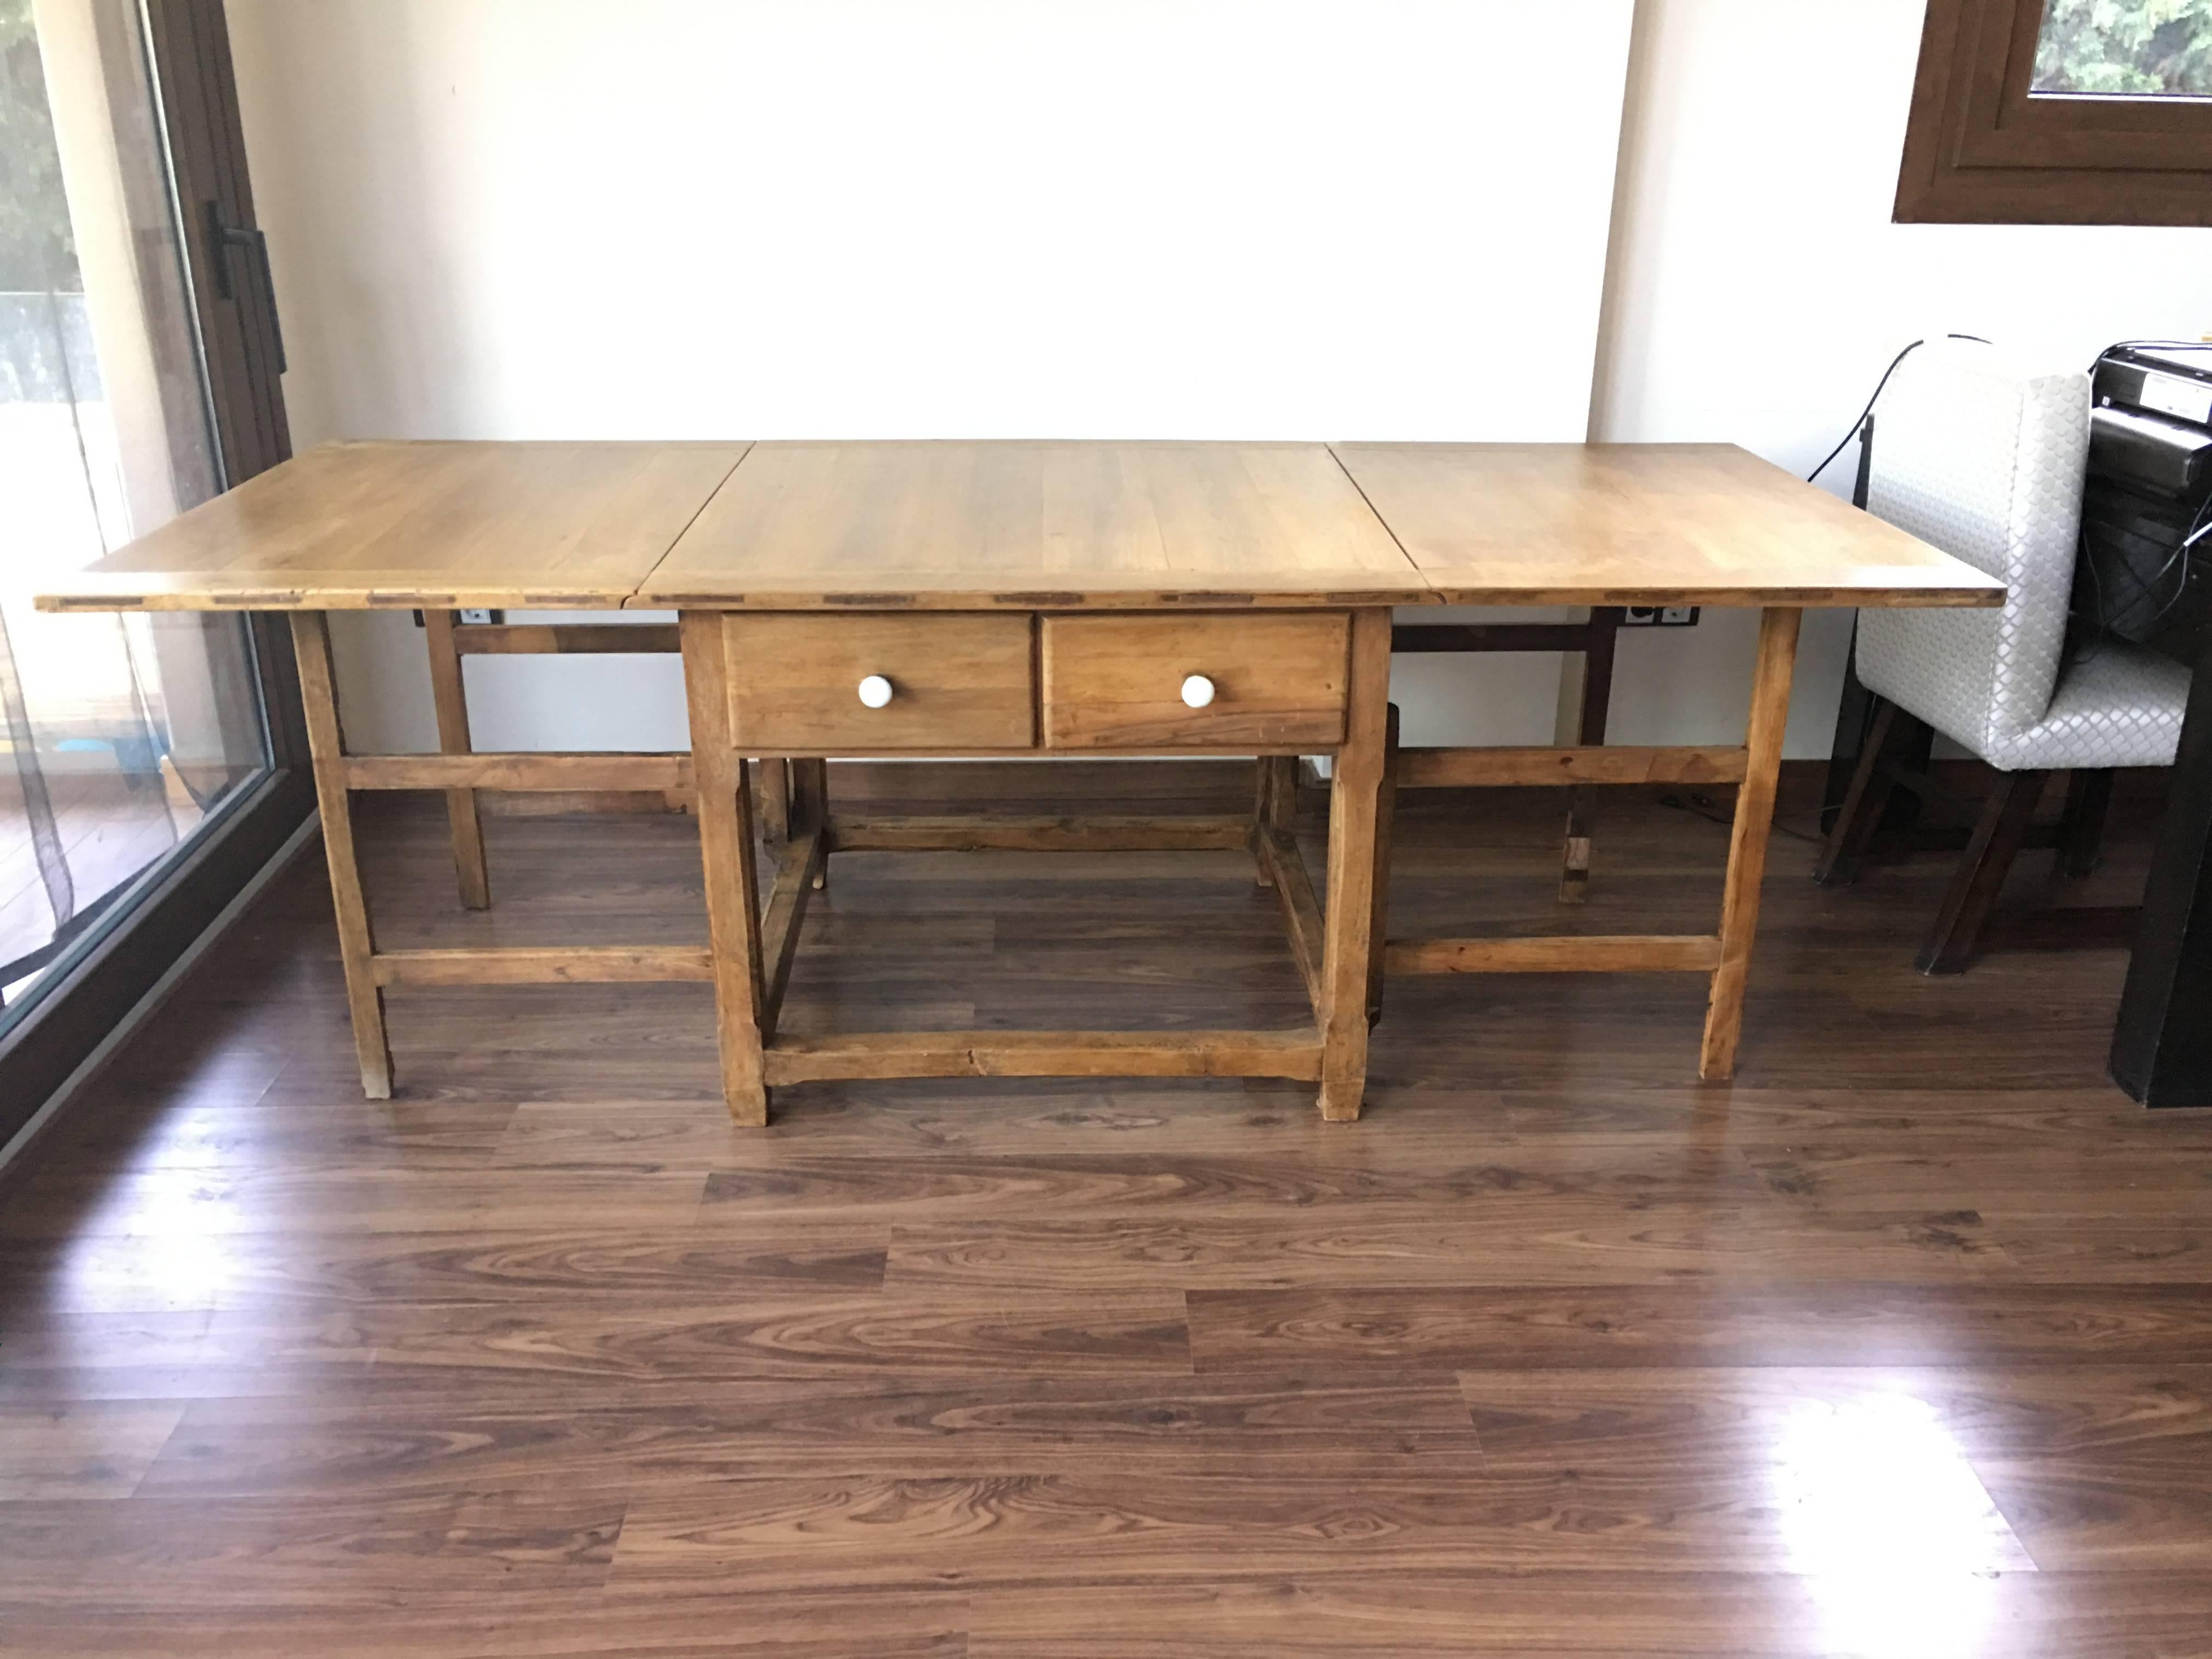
[958, 682]
[1117, 682]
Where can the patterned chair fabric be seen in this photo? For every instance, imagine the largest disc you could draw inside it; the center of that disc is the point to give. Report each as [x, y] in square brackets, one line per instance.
[1986, 461]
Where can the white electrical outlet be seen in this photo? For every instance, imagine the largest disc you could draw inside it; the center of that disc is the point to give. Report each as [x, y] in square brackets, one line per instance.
[1678, 616]
[478, 617]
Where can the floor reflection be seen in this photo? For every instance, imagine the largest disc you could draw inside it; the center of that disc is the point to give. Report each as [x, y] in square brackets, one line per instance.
[1881, 1509]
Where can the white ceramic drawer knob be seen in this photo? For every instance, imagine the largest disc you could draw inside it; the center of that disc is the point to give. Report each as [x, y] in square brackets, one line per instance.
[1198, 691]
[876, 691]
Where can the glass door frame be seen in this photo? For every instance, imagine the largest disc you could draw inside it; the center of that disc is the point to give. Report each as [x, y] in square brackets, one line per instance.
[92, 989]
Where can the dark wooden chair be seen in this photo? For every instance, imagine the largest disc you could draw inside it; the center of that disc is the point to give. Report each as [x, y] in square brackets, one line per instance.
[1986, 461]
[1893, 758]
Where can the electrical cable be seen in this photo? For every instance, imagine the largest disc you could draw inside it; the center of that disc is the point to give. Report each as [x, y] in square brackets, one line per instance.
[2150, 345]
[2199, 527]
[1706, 807]
[1859, 425]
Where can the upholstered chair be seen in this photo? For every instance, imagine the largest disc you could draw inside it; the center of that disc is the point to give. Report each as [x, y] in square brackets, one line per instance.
[1986, 458]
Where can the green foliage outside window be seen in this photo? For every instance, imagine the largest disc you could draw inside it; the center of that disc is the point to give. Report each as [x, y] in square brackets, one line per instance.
[2138, 47]
[36, 250]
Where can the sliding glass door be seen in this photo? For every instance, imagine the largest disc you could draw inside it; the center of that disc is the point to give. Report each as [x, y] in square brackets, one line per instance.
[133, 385]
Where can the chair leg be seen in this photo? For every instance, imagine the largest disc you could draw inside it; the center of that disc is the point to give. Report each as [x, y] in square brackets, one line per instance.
[2082, 831]
[1844, 852]
[1989, 852]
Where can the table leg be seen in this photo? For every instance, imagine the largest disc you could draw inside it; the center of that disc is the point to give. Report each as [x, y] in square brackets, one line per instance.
[772, 785]
[1274, 803]
[311, 643]
[724, 807]
[1605, 623]
[810, 806]
[2162, 1046]
[449, 695]
[1386, 824]
[1754, 822]
[1355, 789]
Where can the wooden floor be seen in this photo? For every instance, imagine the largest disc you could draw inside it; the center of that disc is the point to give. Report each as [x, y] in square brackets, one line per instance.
[1901, 1345]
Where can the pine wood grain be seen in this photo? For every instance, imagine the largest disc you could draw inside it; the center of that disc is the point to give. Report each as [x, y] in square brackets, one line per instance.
[724, 810]
[958, 682]
[1747, 840]
[534, 527]
[530, 769]
[449, 699]
[567, 639]
[1292, 1054]
[1354, 815]
[1103, 834]
[1565, 953]
[1440, 769]
[1034, 526]
[584, 964]
[318, 695]
[1116, 682]
[1641, 525]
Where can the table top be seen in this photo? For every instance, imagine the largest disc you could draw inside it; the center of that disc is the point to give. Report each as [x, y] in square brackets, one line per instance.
[955, 526]
[1643, 523]
[397, 525]
[981, 526]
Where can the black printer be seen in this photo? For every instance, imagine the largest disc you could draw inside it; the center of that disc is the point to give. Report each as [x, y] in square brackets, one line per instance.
[2146, 567]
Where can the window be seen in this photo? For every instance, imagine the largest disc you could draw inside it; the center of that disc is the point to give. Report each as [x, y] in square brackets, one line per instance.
[2062, 112]
[150, 765]
[2147, 48]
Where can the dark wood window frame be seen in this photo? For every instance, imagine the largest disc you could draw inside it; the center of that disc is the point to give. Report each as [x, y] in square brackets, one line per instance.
[1981, 148]
[190, 48]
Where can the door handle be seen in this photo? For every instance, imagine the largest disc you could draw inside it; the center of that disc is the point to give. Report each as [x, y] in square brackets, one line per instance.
[223, 237]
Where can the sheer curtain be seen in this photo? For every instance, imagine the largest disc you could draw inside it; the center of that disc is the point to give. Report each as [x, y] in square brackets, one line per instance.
[85, 790]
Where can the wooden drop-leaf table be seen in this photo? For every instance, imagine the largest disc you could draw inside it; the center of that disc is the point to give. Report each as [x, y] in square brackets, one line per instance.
[962, 599]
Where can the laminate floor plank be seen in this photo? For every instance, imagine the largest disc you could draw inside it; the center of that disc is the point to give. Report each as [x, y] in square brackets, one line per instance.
[1744, 1180]
[63, 1354]
[2156, 1415]
[1495, 1241]
[1610, 1615]
[1013, 1529]
[445, 1622]
[335, 1198]
[682, 1259]
[712, 1338]
[2115, 1515]
[649, 1436]
[81, 1448]
[230, 1139]
[156, 1554]
[1696, 1324]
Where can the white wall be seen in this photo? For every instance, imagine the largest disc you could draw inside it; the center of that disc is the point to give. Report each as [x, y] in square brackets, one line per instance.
[1759, 288]
[1312, 218]
[966, 218]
